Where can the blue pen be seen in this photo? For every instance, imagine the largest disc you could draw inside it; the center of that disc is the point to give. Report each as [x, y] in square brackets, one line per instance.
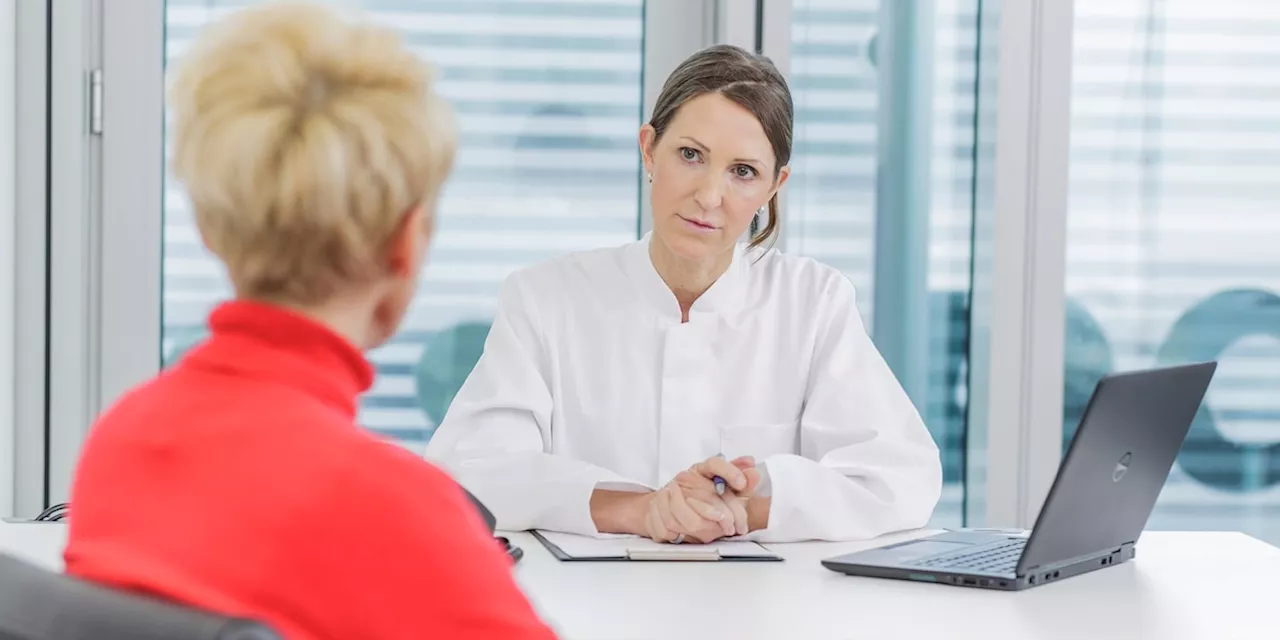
[719, 482]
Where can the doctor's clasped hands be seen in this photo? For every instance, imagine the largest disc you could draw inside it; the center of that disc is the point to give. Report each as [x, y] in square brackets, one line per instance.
[688, 508]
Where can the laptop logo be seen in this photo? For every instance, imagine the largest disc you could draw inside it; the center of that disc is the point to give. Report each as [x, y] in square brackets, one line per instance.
[1122, 467]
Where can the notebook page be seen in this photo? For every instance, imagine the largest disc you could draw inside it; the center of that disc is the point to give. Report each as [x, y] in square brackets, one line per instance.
[588, 547]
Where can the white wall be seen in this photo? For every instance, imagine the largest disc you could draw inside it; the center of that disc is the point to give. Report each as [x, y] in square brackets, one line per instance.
[8, 250]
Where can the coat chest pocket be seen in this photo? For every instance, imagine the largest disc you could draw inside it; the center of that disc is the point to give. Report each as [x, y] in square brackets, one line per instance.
[759, 440]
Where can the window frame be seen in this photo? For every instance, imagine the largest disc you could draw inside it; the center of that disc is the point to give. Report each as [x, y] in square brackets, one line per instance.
[8, 247]
[23, 433]
[1017, 316]
[73, 227]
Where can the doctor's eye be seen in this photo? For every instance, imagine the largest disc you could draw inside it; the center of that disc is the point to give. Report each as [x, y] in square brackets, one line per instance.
[744, 171]
[689, 154]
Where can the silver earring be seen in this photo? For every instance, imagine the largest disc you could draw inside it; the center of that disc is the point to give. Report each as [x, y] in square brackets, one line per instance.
[650, 176]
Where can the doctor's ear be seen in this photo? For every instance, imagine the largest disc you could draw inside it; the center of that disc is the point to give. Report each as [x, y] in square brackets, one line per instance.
[648, 138]
[783, 174]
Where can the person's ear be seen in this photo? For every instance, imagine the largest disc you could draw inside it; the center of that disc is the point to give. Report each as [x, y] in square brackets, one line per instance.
[408, 243]
[783, 174]
[648, 136]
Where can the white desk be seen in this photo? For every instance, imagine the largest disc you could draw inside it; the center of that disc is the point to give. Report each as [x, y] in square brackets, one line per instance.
[38, 543]
[1218, 586]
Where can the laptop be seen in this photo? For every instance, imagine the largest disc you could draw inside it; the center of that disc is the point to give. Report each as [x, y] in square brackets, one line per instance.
[1100, 501]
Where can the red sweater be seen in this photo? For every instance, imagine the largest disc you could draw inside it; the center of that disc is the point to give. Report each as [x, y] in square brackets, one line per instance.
[237, 481]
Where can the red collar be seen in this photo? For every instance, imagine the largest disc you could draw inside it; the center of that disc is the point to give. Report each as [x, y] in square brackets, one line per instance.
[264, 341]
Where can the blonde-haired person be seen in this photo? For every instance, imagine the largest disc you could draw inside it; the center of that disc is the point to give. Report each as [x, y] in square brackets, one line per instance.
[313, 149]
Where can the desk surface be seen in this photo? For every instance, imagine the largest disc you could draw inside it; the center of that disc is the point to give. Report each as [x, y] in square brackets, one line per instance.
[1181, 586]
[37, 542]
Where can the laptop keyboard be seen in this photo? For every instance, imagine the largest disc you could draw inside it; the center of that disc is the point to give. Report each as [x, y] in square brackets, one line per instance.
[999, 559]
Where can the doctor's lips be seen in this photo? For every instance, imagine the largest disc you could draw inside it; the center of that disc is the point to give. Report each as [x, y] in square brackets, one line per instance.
[699, 224]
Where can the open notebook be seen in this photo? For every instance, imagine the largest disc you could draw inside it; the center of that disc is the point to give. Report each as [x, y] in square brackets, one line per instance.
[570, 547]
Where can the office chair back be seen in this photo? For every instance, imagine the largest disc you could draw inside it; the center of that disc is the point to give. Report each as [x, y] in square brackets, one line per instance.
[36, 604]
[448, 357]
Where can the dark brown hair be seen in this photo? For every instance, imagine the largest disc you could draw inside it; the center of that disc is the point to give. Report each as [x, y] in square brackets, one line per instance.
[748, 79]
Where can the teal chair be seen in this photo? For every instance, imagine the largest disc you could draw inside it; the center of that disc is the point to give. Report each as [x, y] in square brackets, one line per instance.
[1205, 332]
[447, 359]
[1088, 359]
[183, 342]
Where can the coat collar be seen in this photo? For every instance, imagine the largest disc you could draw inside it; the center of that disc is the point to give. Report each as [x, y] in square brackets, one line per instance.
[723, 299]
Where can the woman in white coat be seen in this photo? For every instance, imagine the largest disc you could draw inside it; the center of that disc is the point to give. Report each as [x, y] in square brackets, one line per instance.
[616, 383]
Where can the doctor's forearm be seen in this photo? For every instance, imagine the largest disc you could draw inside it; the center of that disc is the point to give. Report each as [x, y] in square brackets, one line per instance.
[618, 511]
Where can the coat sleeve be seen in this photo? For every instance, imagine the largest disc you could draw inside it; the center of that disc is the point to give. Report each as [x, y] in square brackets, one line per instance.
[867, 465]
[496, 437]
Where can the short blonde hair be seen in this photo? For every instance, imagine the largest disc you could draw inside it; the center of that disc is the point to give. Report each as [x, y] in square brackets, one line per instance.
[303, 138]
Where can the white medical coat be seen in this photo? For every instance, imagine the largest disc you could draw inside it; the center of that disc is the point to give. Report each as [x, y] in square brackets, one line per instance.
[590, 380]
